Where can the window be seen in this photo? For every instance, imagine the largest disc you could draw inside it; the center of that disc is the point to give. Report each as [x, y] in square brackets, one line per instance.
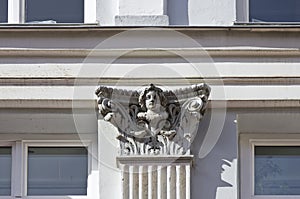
[269, 166]
[277, 170]
[3, 11]
[48, 11]
[66, 171]
[58, 11]
[48, 169]
[269, 155]
[5, 171]
[274, 10]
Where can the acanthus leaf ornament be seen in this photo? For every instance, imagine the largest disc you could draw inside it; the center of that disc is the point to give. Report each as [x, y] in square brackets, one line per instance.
[154, 121]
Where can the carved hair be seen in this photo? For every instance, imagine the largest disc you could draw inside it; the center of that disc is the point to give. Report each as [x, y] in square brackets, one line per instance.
[159, 92]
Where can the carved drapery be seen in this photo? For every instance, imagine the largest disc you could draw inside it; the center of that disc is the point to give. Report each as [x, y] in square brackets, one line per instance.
[154, 121]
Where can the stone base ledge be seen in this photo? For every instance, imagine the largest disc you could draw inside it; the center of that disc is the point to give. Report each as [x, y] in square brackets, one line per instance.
[141, 20]
[154, 160]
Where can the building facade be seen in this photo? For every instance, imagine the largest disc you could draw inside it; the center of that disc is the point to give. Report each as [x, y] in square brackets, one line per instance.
[55, 54]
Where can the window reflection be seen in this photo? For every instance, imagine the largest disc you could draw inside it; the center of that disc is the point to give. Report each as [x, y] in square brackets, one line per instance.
[5, 171]
[57, 171]
[55, 11]
[274, 10]
[3, 11]
[277, 170]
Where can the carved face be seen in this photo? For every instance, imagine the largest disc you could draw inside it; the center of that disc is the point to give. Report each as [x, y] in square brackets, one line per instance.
[152, 101]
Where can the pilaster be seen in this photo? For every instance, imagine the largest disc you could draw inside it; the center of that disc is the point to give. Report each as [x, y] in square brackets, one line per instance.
[154, 128]
[155, 177]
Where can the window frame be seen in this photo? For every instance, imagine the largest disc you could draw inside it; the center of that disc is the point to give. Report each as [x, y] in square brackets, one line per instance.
[27, 144]
[20, 163]
[247, 158]
[16, 12]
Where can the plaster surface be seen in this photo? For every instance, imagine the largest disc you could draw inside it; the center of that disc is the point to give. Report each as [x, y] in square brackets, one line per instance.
[141, 20]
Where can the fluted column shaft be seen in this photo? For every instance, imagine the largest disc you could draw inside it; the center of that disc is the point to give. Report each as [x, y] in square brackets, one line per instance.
[155, 177]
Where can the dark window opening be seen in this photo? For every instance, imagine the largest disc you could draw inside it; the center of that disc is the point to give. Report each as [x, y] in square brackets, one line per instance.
[55, 11]
[274, 10]
[5, 171]
[3, 11]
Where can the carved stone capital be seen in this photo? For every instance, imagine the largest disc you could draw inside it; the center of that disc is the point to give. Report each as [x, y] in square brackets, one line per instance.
[154, 121]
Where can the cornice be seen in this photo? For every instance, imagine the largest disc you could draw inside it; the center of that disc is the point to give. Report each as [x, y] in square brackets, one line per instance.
[94, 27]
[86, 104]
[151, 52]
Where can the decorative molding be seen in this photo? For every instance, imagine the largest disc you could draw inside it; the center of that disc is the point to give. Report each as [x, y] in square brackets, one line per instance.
[155, 160]
[151, 52]
[154, 121]
[94, 27]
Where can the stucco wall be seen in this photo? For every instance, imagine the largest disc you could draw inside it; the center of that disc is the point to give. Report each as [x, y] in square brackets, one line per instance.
[215, 175]
[210, 12]
[260, 70]
[106, 12]
[180, 12]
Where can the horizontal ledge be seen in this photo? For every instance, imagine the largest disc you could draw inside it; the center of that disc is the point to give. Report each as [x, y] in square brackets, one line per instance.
[52, 104]
[151, 52]
[249, 27]
[255, 104]
[70, 81]
[130, 74]
[218, 92]
[155, 159]
[91, 104]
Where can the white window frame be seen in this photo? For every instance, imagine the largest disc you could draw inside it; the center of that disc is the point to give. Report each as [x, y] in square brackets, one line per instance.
[19, 167]
[247, 155]
[27, 144]
[16, 11]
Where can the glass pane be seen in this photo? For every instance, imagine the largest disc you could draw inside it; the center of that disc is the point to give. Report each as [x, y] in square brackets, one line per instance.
[5, 171]
[55, 11]
[57, 171]
[277, 170]
[274, 10]
[3, 11]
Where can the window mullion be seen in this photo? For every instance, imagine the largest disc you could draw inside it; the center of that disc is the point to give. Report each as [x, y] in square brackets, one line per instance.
[18, 170]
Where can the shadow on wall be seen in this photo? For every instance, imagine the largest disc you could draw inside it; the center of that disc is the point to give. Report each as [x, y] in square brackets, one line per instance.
[214, 176]
[177, 10]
